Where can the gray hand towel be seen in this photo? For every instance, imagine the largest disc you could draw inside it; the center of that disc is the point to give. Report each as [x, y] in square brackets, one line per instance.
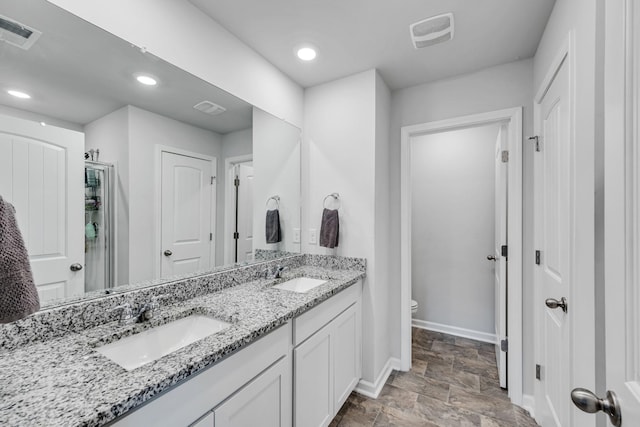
[18, 295]
[329, 228]
[272, 227]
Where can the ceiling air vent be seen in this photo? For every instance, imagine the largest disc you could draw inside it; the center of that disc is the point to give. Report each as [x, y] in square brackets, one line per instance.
[209, 107]
[430, 31]
[17, 34]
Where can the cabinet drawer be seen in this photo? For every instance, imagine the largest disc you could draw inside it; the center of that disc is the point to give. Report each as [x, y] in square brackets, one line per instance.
[313, 320]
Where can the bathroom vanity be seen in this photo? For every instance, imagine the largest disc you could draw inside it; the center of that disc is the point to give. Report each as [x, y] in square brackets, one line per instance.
[286, 358]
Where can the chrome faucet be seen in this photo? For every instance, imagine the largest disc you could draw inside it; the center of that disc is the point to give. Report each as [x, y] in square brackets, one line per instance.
[276, 273]
[144, 311]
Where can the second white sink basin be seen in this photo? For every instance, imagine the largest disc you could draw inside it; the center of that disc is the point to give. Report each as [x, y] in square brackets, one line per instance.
[136, 350]
[300, 284]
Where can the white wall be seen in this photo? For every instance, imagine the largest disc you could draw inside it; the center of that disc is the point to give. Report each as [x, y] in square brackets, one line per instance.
[276, 163]
[146, 130]
[581, 18]
[110, 134]
[182, 35]
[453, 193]
[28, 115]
[496, 88]
[341, 137]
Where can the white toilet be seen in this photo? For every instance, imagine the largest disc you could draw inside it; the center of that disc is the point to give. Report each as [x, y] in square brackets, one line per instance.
[414, 307]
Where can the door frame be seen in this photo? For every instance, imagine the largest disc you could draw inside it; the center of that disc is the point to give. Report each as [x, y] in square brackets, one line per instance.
[157, 214]
[229, 163]
[512, 117]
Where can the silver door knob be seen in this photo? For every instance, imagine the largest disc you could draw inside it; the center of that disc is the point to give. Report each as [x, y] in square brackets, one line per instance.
[586, 401]
[491, 257]
[168, 253]
[554, 303]
[75, 267]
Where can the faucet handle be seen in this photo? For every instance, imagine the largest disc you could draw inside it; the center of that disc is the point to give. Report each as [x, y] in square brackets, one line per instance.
[126, 312]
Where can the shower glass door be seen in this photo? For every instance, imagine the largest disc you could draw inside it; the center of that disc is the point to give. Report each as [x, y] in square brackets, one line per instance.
[98, 228]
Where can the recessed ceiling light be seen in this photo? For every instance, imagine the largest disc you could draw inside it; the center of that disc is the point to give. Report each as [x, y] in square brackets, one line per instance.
[146, 80]
[18, 94]
[306, 53]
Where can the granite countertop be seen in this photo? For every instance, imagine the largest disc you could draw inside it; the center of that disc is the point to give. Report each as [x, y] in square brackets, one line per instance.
[65, 382]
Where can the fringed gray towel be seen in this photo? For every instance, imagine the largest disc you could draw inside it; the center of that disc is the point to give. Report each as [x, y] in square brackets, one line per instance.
[18, 295]
[329, 229]
[272, 227]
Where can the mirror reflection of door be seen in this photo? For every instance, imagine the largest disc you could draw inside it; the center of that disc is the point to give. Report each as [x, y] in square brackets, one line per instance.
[243, 234]
[41, 176]
[187, 213]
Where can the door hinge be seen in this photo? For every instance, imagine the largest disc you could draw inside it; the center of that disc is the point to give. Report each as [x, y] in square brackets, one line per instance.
[210, 236]
[537, 257]
[504, 250]
[505, 156]
[236, 182]
[504, 345]
[213, 178]
[538, 369]
[236, 235]
[536, 140]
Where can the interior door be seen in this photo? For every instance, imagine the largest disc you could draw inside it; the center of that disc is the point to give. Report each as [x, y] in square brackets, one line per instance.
[186, 214]
[245, 212]
[551, 275]
[41, 175]
[500, 262]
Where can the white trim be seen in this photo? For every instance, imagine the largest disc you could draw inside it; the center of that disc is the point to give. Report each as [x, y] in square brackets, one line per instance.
[230, 162]
[372, 390]
[528, 404]
[157, 203]
[513, 118]
[456, 331]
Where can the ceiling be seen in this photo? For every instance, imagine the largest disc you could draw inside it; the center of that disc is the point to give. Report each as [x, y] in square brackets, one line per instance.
[356, 35]
[78, 73]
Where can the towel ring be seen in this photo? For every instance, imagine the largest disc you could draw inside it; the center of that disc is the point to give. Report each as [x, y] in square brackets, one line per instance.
[335, 196]
[276, 199]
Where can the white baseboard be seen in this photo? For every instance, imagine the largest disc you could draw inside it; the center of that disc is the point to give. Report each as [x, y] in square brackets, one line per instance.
[372, 390]
[454, 330]
[528, 403]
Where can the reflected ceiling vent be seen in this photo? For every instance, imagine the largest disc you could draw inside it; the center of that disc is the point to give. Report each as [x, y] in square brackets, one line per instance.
[17, 34]
[209, 107]
[430, 31]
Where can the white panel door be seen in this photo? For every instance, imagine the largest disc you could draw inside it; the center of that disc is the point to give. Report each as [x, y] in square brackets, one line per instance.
[186, 214]
[245, 212]
[41, 175]
[552, 225]
[500, 262]
[347, 354]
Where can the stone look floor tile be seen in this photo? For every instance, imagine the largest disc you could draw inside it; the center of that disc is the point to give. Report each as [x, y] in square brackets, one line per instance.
[453, 382]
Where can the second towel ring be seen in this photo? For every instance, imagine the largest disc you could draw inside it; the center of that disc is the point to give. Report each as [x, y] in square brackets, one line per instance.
[335, 197]
[274, 198]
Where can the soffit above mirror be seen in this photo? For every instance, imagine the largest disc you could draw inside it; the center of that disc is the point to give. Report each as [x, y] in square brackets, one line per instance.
[78, 73]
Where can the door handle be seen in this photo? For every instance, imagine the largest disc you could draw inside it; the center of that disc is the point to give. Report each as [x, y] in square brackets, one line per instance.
[75, 267]
[491, 257]
[168, 253]
[586, 401]
[554, 303]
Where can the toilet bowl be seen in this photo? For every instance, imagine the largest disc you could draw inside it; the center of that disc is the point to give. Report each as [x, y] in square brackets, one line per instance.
[414, 307]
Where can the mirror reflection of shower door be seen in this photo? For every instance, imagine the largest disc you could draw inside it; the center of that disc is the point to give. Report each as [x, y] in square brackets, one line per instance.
[98, 226]
[244, 212]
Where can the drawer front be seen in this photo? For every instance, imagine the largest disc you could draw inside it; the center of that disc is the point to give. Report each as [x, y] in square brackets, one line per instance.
[313, 320]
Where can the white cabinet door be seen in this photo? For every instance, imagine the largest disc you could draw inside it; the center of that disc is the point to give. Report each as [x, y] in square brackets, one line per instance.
[313, 400]
[206, 421]
[347, 359]
[265, 401]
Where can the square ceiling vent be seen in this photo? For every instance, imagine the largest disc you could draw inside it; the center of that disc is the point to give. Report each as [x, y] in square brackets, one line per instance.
[210, 108]
[17, 34]
[430, 31]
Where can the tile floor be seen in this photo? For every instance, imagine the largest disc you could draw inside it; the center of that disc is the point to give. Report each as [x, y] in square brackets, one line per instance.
[453, 383]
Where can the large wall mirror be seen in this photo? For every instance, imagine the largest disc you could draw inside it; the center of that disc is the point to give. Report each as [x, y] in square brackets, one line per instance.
[125, 169]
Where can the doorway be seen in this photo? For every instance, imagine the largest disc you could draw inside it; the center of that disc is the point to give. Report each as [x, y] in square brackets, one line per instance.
[511, 127]
[238, 224]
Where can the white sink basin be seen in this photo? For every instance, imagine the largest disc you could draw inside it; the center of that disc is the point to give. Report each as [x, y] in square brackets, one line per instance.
[145, 347]
[300, 284]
